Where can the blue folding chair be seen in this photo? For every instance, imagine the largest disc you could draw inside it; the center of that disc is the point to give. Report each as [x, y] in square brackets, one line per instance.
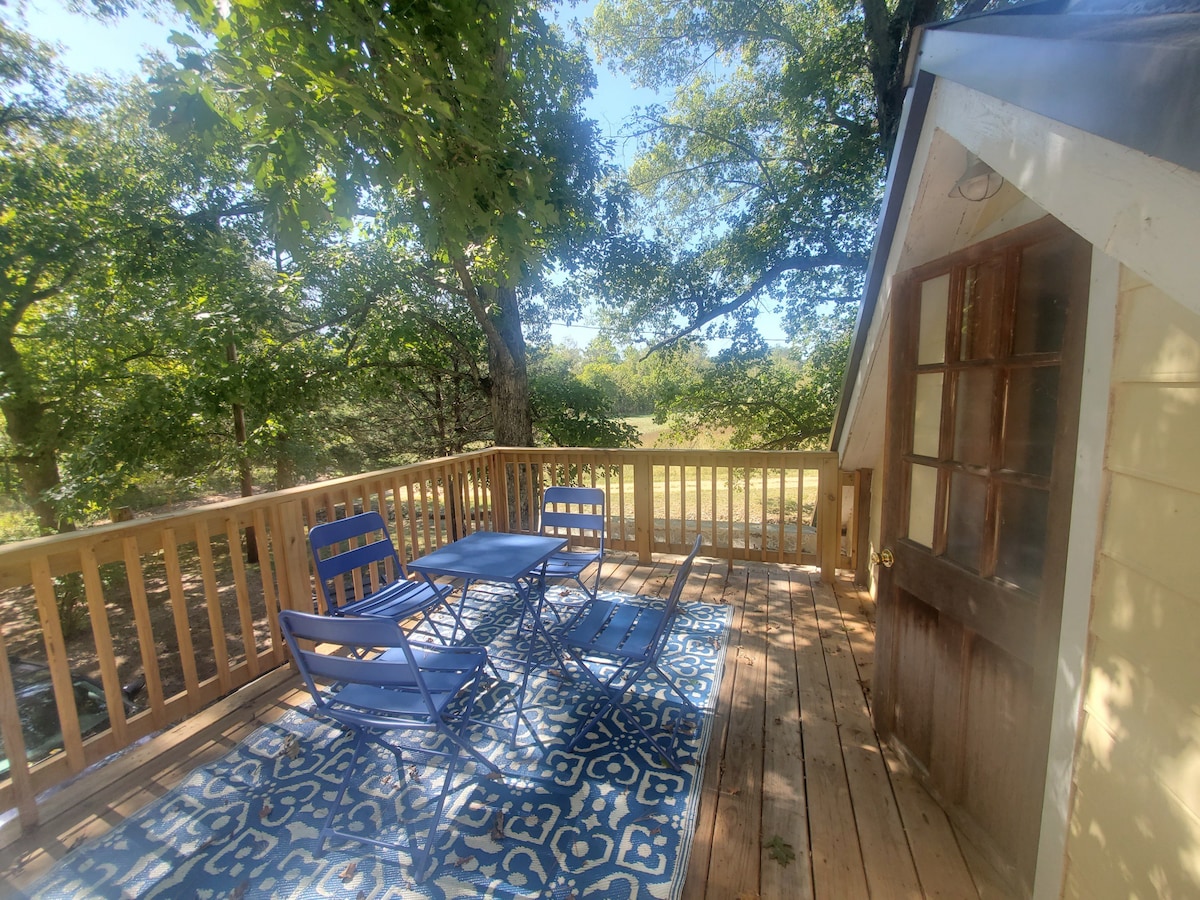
[616, 643]
[355, 558]
[407, 688]
[574, 513]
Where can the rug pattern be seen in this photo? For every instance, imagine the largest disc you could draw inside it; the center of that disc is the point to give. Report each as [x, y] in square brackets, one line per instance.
[610, 820]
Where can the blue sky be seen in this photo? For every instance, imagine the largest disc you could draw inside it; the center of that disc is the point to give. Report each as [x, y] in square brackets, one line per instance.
[89, 45]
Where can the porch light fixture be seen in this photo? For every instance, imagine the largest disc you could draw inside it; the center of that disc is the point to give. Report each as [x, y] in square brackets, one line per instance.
[979, 181]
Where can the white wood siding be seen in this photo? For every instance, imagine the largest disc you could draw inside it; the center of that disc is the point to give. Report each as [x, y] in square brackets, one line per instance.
[1135, 819]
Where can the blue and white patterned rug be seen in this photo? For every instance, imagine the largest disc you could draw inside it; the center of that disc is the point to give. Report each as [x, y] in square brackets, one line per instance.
[610, 820]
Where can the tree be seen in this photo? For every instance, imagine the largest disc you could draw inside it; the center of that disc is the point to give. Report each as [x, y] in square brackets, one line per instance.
[569, 411]
[777, 400]
[409, 359]
[623, 377]
[759, 184]
[130, 268]
[86, 206]
[459, 119]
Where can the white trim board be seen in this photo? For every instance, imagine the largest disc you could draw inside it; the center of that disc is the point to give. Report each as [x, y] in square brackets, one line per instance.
[1142, 211]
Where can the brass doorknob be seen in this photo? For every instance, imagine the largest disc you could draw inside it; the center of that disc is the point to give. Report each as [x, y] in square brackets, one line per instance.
[883, 558]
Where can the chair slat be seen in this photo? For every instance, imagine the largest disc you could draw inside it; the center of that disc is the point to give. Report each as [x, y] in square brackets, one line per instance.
[611, 638]
[361, 544]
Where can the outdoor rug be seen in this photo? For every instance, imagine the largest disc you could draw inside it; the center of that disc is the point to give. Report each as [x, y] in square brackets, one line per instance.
[610, 820]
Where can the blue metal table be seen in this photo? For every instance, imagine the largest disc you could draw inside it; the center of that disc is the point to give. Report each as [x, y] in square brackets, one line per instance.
[496, 556]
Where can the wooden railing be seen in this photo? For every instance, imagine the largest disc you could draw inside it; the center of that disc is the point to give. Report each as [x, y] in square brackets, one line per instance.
[188, 601]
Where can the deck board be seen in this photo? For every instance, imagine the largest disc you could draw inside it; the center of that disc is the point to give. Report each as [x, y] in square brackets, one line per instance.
[736, 845]
[792, 756]
[784, 811]
[836, 851]
[886, 857]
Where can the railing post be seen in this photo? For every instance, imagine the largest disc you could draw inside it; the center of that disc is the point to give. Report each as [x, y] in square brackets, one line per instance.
[862, 526]
[643, 506]
[291, 558]
[499, 482]
[828, 489]
[24, 796]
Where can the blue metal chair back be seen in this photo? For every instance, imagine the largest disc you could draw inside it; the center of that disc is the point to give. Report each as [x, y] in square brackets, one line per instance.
[575, 513]
[359, 572]
[353, 555]
[394, 667]
[671, 610]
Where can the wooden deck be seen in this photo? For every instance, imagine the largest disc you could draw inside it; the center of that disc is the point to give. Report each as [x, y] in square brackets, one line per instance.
[799, 799]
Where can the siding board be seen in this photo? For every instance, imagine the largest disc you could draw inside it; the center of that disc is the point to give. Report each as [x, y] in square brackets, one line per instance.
[1134, 828]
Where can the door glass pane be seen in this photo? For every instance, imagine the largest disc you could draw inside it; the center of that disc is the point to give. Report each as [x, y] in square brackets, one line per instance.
[1030, 419]
[1043, 290]
[1021, 548]
[935, 298]
[927, 414]
[973, 416]
[981, 309]
[922, 504]
[965, 521]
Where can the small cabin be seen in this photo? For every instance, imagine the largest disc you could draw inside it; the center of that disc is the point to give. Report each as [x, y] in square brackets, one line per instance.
[1024, 390]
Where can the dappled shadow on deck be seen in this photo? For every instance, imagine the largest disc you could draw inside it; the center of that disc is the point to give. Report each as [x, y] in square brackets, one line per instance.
[798, 799]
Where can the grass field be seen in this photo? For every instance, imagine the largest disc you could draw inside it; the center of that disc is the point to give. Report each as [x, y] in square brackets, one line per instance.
[657, 436]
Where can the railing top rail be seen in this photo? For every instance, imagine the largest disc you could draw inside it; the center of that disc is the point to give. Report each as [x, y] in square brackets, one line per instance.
[815, 455]
[53, 545]
[58, 543]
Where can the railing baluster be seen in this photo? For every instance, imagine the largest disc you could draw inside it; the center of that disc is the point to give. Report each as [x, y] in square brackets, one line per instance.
[24, 795]
[216, 620]
[56, 657]
[109, 677]
[179, 614]
[145, 631]
[233, 534]
[266, 572]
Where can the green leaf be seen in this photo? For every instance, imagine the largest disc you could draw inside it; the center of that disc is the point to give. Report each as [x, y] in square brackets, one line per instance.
[780, 850]
[179, 39]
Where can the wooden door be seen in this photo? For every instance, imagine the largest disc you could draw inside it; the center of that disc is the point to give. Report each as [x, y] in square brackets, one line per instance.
[982, 420]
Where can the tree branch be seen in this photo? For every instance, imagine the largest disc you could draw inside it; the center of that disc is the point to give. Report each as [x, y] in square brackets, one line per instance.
[791, 264]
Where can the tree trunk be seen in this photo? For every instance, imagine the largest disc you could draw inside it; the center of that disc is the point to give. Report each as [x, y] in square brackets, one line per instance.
[32, 431]
[888, 37]
[245, 473]
[285, 465]
[511, 418]
[495, 308]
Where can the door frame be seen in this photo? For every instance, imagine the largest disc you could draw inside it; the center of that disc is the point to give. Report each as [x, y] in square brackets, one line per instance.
[1090, 490]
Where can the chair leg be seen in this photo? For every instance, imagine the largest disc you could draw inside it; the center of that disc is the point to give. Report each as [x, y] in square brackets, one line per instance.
[679, 693]
[327, 829]
[602, 708]
[460, 740]
[614, 689]
[421, 852]
[421, 860]
[454, 614]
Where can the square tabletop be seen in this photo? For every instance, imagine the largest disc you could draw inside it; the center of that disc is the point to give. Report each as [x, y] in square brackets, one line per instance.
[493, 555]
